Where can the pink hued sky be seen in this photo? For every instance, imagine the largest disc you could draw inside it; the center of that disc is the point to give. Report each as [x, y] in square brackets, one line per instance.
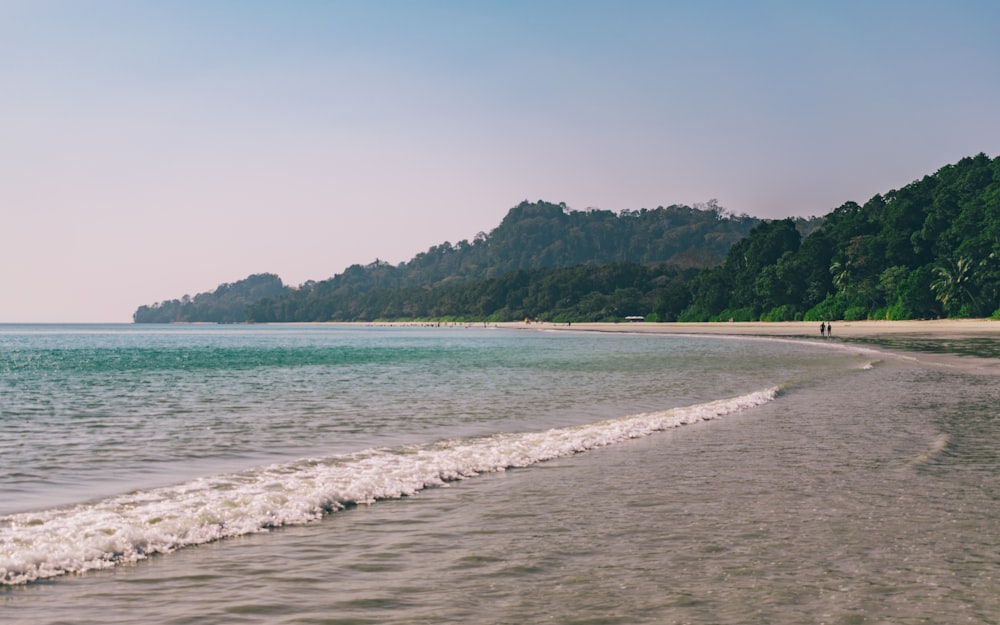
[154, 149]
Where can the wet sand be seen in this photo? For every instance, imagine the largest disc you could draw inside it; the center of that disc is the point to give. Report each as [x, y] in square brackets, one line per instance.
[943, 342]
[842, 329]
[939, 340]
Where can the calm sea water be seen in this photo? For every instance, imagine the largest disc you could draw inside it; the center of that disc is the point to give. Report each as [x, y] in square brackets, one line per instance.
[330, 474]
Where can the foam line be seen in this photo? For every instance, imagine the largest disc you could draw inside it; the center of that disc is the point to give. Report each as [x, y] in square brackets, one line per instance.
[133, 526]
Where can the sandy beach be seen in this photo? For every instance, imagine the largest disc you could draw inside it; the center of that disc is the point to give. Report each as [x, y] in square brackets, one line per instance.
[939, 341]
[937, 328]
[845, 329]
[946, 342]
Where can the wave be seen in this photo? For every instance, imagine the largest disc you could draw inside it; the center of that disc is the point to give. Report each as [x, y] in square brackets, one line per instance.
[133, 526]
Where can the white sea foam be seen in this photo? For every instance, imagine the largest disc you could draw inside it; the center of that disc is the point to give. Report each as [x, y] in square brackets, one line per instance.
[132, 526]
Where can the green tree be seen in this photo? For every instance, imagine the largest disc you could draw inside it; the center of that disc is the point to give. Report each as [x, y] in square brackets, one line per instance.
[951, 285]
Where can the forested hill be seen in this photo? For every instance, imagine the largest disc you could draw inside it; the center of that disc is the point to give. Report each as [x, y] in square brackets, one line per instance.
[542, 235]
[226, 304]
[929, 249]
[532, 236]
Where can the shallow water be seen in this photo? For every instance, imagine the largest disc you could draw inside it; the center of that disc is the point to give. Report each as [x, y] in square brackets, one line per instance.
[865, 492]
[963, 345]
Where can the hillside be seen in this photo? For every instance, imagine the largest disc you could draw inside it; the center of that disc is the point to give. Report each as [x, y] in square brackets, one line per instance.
[930, 249]
[532, 236]
[226, 304]
[927, 250]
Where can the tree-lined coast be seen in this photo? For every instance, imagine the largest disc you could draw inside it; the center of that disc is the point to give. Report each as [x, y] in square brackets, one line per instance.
[928, 250]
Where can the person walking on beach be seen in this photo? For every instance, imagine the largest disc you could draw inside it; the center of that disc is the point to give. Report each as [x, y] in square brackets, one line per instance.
[829, 329]
[822, 329]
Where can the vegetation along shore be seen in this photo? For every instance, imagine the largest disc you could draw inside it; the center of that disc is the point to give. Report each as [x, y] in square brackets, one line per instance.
[928, 250]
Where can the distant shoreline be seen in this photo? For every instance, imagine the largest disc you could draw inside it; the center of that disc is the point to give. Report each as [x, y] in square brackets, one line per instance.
[959, 328]
[843, 329]
[947, 342]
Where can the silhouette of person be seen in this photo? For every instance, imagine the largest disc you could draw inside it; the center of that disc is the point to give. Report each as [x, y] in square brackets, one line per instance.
[822, 329]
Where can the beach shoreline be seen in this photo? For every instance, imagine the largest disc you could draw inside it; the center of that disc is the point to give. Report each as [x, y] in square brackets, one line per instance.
[958, 328]
[940, 341]
[971, 344]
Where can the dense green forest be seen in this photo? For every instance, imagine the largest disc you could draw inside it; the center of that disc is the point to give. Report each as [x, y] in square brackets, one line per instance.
[580, 293]
[930, 249]
[532, 236]
[229, 303]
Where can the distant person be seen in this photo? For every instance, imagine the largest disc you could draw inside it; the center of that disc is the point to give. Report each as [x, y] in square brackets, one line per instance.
[822, 329]
[829, 329]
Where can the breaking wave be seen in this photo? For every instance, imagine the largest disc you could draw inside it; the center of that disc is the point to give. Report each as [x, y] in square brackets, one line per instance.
[133, 526]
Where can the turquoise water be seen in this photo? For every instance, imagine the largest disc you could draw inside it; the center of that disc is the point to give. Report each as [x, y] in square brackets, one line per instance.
[94, 410]
[341, 474]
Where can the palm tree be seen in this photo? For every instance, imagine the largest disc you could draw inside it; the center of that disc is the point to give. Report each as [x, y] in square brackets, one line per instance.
[841, 274]
[952, 282]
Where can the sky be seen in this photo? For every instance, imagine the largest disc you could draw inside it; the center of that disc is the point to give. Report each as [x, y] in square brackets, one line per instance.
[150, 150]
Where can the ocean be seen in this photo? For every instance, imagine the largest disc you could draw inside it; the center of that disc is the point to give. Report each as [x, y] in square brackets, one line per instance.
[335, 474]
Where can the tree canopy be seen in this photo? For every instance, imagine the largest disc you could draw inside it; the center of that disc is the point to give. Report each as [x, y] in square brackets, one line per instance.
[227, 304]
[929, 249]
[534, 237]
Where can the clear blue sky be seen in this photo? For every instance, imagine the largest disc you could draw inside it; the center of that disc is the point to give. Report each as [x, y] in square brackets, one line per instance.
[154, 149]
